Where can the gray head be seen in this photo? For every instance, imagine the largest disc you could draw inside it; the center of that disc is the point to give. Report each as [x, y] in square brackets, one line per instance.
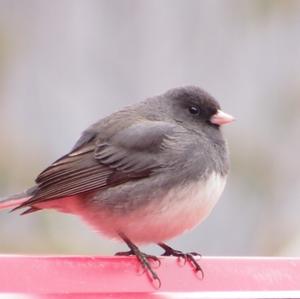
[191, 107]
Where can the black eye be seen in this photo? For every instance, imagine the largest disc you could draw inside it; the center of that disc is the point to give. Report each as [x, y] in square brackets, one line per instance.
[194, 110]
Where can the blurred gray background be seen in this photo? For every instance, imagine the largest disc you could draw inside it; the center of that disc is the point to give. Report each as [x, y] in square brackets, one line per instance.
[65, 64]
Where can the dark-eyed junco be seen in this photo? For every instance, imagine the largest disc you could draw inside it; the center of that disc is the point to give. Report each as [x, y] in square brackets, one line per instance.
[144, 174]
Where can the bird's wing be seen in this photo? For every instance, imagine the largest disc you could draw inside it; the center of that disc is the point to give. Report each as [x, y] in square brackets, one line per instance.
[94, 163]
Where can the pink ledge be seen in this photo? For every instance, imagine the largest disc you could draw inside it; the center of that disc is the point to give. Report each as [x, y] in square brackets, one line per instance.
[100, 276]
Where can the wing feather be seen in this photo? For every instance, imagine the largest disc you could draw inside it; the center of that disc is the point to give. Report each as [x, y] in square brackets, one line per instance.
[96, 164]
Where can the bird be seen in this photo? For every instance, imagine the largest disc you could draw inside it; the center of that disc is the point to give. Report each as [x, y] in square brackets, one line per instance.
[143, 175]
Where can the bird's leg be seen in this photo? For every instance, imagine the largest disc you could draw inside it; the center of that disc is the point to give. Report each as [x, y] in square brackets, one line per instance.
[190, 256]
[142, 257]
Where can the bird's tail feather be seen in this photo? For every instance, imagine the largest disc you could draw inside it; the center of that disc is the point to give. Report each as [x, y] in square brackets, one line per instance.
[13, 201]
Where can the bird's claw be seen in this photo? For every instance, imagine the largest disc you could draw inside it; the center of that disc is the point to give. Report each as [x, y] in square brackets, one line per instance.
[144, 260]
[187, 257]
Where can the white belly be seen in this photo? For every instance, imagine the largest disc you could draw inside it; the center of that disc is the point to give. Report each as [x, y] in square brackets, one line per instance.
[180, 210]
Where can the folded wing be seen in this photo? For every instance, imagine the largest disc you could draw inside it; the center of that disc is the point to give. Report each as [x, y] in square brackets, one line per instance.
[95, 163]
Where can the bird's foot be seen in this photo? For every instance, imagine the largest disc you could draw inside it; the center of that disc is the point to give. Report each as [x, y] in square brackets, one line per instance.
[146, 256]
[143, 258]
[187, 257]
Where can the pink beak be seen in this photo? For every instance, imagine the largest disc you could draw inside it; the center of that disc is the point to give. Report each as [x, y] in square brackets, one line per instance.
[221, 118]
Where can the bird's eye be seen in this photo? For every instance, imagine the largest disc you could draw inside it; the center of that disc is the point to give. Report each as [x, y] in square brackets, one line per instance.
[194, 110]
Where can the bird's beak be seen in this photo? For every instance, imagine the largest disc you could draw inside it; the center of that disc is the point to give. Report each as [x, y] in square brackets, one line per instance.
[221, 118]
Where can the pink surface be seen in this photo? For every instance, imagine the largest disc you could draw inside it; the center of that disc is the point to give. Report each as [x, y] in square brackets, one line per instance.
[121, 275]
